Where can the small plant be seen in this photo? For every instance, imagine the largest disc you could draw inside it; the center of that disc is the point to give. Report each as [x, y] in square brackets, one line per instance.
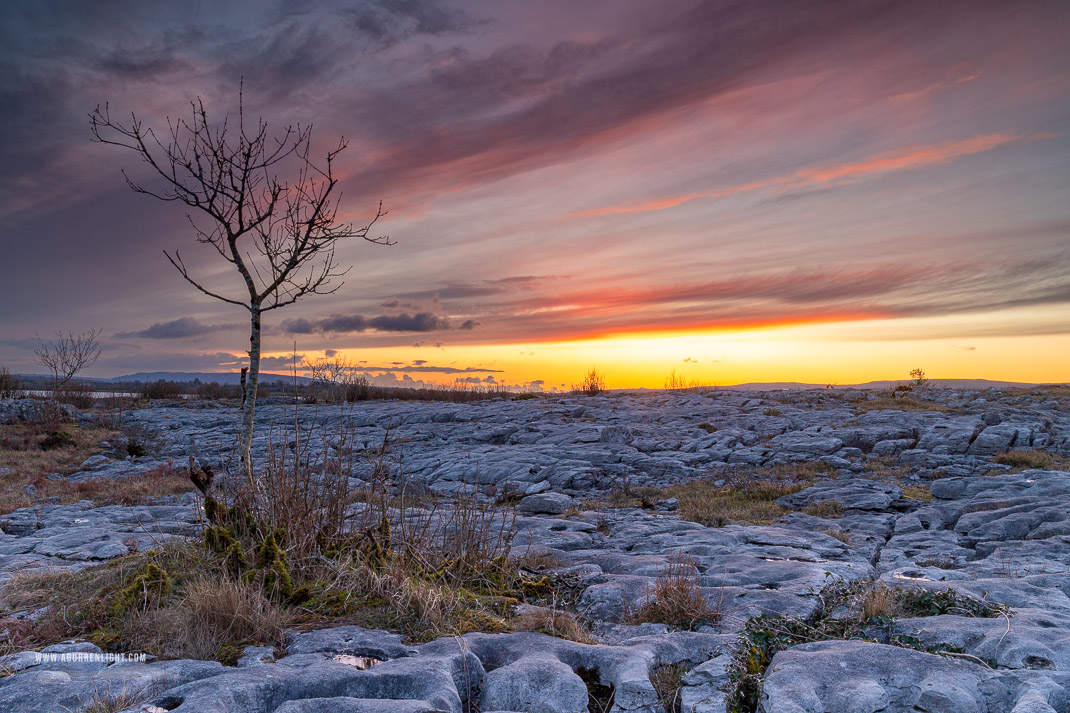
[678, 600]
[772, 411]
[708, 427]
[667, 682]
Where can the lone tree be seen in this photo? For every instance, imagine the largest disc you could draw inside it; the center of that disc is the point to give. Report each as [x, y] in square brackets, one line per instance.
[264, 205]
[67, 355]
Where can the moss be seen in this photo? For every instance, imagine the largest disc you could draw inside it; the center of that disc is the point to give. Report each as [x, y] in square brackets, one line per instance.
[150, 585]
[229, 653]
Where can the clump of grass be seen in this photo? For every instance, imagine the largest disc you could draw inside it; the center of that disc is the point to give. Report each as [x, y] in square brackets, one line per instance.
[708, 427]
[917, 492]
[677, 599]
[841, 535]
[553, 622]
[827, 509]
[750, 501]
[1025, 459]
[772, 411]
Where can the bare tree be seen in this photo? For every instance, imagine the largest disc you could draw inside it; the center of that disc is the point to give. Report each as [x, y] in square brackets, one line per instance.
[279, 233]
[67, 355]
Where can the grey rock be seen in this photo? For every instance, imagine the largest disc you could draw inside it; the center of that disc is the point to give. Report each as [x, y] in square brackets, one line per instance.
[546, 504]
[537, 684]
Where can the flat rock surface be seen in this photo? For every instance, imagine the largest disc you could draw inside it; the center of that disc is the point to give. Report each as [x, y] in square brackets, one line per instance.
[985, 533]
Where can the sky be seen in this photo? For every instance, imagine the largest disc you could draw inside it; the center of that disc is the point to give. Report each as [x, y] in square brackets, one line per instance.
[760, 190]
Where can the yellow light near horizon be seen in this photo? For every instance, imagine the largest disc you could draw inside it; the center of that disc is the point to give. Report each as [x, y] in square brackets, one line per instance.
[829, 353]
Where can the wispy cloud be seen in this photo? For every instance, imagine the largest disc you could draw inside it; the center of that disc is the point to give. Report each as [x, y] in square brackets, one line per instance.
[906, 159]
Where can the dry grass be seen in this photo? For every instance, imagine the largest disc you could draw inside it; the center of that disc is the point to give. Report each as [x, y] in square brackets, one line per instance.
[1025, 459]
[21, 452]
[678, 600]
[917, 492]
[667, 682]
[553, 622]
[879, 601]
[825, 509]
[747, 502]
[22, 449]
[900, 403]
[187, 608]
[841, 535]
[159, 482]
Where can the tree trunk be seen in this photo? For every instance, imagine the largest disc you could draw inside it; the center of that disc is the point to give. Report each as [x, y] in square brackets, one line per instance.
[249, 405]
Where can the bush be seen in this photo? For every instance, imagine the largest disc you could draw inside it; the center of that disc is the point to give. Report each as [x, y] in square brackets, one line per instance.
[593, 383]
[10, 386]
[212, 391]
[162, 389]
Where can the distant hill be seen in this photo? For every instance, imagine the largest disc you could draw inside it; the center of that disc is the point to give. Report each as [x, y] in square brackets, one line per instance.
[204, 377]
[938, 383]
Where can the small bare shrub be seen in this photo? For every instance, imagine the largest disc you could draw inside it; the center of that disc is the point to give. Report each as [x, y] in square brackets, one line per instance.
[67, 355]
[593, 383]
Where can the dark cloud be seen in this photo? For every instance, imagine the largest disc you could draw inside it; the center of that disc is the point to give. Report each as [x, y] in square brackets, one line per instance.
[269, 363]
[437, 369]
[342, 323]
[181, 328]
[468, 324]
[389, 21]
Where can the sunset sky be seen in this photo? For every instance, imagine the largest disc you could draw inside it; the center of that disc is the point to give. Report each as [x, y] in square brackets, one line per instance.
[827, 192]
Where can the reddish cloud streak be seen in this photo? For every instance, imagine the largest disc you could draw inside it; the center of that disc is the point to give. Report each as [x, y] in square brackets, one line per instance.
[906, 159]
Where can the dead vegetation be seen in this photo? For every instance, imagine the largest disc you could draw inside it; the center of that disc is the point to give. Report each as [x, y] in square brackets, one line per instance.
[311, 553]
[33, 463]
[1026, 459]
[743, 498]
[677, 599]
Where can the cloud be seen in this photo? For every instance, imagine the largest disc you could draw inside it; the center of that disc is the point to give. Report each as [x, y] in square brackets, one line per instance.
[270, 363]
[468, 324]
[390, 21]
[437, 369]
[907, 158]
[181, 328]
[419, 362]
[342, 323]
